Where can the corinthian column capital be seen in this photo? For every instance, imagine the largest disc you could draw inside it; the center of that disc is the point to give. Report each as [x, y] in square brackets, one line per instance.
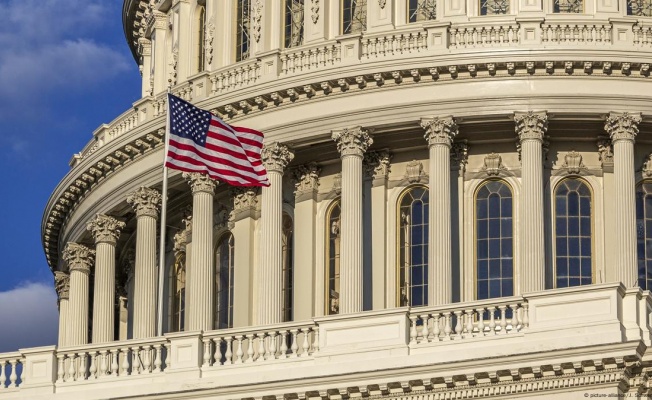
[79, 257]
[352, 142]
[439, 130]
[276, 157]
[531, 125]
[200, 182]
[105, 229]
[145, 202]
[62, 284]
[622, 126]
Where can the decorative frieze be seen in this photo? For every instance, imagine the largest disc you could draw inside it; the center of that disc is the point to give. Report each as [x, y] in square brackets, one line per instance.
[573, 162]
[440, 130]
[531, 125]
[62, 284]
[200, 182]
[354, 141]
[493, 164]
[105, 229]
[414, 171]
[78, 257]
[276, 157]
[622, 126]
[145, 201]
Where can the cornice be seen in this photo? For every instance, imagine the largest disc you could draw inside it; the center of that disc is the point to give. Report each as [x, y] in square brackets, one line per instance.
[100, 163]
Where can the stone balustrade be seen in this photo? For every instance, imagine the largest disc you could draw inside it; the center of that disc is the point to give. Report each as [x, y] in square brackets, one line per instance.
[613, 320]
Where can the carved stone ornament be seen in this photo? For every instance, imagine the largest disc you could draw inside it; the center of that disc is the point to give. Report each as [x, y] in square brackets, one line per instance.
[460, 154]
[208, 41]
[440, 131]
[105, 229]
[531, 125]
[244, 198]
[573, 162]
[187, 218]
[307, 178]
[622, 126]
[200, 183]
[352, 142]
[276, 157]
[414, 171]
[382, 3]
[606, 152]
[180, 241]
[256, 13]
[223, 218]
[337, 183]
[145, 201]
[62, 284]
[647, 166]
[315, 11]
[174, 62]
[78, 257]
[377, 164]
[493, 164]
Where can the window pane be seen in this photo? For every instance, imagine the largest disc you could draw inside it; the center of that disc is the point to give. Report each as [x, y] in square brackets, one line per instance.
[354, 16]
[644, 234]
[422, 10]
[293, 23]
[413, 247]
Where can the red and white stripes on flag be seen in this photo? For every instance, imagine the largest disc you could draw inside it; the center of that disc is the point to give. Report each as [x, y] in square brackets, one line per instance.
[202, 142]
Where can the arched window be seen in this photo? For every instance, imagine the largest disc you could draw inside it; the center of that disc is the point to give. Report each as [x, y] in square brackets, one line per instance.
[494, 240]
[568, 6]
[573, 234]
[224, 263]
[413, 247]
[178, 289]
[644, 234]
[354, 16]
[288, 264]
[494, 7]
[333, 258]
[422, 10]
[242, 30]
[293, 23]
[201, 38]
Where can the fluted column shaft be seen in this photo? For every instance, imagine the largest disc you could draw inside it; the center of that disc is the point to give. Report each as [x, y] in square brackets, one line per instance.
[440, 133]
[106, 231]
[79, 259]
[62, 286]
[270, 271]
[352, 144]
[200, 282]
[145, 202]
[531, 127]
[622, 129]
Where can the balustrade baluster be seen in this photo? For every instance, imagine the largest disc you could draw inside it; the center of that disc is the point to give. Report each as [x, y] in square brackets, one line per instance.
[206, 361]
[425, 327]
[104, 366]
[413, 329]
[250, 348]
[447, 326]
[158, 363]
[295, 345]
[13, 376]
[72, 368]
[458, 324]
[125, 362]
[469, 323]
[305, 346]
[436, 327]
[228, 352]
[3, 376]
[136, 360]
[481, 321]
[272, 345]
[93, 369]
[514, 323]
[284, 344]
[261, 346]
[315, 342]
[239, 353]
[147, 363]
[492, 320]
[526, 316]
[114, 362]
[82, 362]
[60, 370]
[503, 321]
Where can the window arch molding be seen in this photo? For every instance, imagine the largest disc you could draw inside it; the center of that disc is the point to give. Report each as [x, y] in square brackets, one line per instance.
[468, 253]
[333, 208]
[599, 253]
[398, 260]
[323, 208]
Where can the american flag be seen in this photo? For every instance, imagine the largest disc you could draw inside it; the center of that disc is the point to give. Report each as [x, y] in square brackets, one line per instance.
[202, 142]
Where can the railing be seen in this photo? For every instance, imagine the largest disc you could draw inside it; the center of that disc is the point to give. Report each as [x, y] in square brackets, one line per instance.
[483, 35]
[305, 59]
[470, 320]
[642, 34]
[240, 346]
[577, 33]
[11, 368]
[236, 76]
[394, 44]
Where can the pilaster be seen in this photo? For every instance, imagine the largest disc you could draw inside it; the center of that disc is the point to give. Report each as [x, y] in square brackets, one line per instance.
[269, 276]
[146, 203]
[440, 132]
[531, 128]
[200, 277]
[352, 144]
[62, 286]
[79, 259]
[245, 201]
[622, 129]
[106, 231]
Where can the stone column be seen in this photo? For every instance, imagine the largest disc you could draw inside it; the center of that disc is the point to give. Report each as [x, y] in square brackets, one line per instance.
[269, 275]
[201, 278]
[79, 259]
[440, 133]
[106, 231]
[623, 128]
[352, 144]
[530, 128]
[305, 257]
[146, 203]
[62, 286]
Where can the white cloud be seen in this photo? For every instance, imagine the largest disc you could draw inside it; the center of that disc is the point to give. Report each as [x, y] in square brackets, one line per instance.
[29, 317]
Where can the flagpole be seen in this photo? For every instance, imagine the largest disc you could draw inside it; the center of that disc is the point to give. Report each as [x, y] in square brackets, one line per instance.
[164, 206]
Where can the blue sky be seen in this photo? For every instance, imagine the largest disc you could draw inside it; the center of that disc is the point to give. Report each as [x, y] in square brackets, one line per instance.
[65, 68]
